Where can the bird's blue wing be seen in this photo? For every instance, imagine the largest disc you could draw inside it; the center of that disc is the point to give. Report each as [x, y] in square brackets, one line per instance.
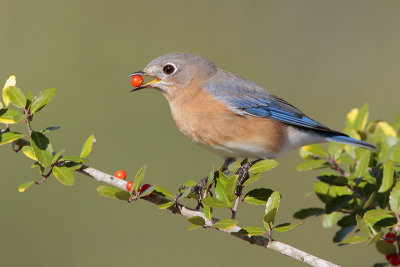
[246, 97]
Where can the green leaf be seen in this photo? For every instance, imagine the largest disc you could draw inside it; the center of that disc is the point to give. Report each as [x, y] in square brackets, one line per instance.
[385, 248]
[337, 203]
[11, 81]
[225, 224]
[231, 186]
[210, 178]
[386, 153]
[186, 192]
[137, 181]
[16, 96]
[24, 186]
[258, 196]
[362, 225]
[375, 238]
[220, 192]
[87, 147]
[379, 217]
[73, 159]
[208, 212]
[361, 119]
[347, 221]
[342, 233]
[190, 183]
[316, 150]
[354, 240]
[165, 205]
[39, 166]
[251, 230]
[333, 180]
[394, 198]
[271, 208]
[108, 191]
[253, 178]
[330, 220]
[312, 164]
[222, 177]
[73, 165]
[42, 148]
[123, 195]
[398, 121]
[322, 190]
[42, 100]
[284, 227]
[10, 116]
[214, 203]
[263, 166]
[197, 220]
[370, 200]
[304, 213]
[8, 137]
[273, 202]
[28, 151]
[194, 227]
[49, 129]
[269, 217]
[64, 175]
[57, 156]
[147, 192]
[163, 192]
[387, 180]
[335, 150]
[362, 164]
[28, 100]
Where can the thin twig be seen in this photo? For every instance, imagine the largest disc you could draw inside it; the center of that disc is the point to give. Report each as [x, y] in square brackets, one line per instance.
[258, 240]
[235, 207]
[335, 166]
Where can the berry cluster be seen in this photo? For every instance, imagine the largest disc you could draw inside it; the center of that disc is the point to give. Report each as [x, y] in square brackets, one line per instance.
[121, 174]
[394, 259]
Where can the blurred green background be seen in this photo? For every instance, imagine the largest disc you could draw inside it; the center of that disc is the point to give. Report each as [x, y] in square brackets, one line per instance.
[323, 56]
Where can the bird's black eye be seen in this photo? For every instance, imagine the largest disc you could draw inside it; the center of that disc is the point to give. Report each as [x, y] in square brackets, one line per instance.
[168, 69]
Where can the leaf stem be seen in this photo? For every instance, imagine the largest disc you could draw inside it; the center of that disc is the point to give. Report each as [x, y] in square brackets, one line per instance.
[45, 176]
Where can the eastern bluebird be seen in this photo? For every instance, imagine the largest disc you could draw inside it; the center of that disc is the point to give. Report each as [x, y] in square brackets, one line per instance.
[230, 115]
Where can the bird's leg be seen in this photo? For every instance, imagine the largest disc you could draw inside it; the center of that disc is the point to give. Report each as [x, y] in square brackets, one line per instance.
[225, 165]
[201, 187]
[243, 175]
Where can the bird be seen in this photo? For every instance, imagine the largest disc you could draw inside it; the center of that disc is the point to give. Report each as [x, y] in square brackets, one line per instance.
[230, 115]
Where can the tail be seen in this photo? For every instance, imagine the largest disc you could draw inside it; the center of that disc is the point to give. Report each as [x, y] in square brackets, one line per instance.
[344, 139]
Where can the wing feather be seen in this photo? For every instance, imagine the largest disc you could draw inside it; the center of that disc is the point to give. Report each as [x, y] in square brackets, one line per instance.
[245, 97]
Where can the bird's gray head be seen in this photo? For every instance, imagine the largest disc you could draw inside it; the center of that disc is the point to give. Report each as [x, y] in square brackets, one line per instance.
[175, 71]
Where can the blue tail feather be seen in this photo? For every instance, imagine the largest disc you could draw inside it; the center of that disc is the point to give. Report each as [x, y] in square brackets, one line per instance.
[349, 141]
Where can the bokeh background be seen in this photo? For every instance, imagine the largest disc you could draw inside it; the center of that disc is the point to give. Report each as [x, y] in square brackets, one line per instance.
[325, 57]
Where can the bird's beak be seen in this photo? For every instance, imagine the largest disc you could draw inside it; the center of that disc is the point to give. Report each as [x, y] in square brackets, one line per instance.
[146, 85]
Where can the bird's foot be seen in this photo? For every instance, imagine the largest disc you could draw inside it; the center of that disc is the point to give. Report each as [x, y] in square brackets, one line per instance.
[243, 175]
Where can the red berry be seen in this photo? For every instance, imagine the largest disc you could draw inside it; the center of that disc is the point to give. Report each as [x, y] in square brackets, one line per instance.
[390, 238]
[394, 259]
[389, 256]
[129, 186]
[121, 174]
[136, 80]
[144, 188]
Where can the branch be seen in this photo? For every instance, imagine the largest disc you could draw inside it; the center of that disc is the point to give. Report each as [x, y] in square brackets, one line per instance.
[261, 241]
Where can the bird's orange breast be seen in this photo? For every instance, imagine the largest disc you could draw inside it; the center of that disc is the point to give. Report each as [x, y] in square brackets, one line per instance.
[215, 126]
